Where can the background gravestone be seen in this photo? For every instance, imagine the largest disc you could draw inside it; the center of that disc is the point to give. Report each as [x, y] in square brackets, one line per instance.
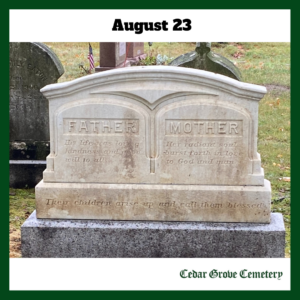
[32, 66]
[153, 144]
[112, 55]
[204, 59]
[135, 52]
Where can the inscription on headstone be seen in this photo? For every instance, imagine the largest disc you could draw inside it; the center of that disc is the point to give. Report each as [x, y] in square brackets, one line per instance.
[154, 143]
[32, 66]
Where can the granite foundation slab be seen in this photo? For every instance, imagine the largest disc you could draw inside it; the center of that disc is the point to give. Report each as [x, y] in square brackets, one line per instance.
[154, 202]
[97, 238]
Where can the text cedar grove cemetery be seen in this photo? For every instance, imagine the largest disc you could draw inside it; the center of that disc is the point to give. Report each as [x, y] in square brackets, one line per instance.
[139, 27]
[243, 274]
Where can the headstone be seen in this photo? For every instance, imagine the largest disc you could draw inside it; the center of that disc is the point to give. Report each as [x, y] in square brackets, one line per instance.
[135, 52]
[32, 66]
[204, 59]
[112, 55]
[144, 144]
[179, 147]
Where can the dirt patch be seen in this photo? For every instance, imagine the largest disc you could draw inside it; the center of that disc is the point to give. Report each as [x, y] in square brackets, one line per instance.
[277, 88]
[14, 243]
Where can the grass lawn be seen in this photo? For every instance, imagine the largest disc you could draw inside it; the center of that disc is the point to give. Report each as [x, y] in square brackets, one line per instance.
[265, 64]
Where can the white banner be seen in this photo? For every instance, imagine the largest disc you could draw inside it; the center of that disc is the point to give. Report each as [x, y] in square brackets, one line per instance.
[150, 274]
[149, 25]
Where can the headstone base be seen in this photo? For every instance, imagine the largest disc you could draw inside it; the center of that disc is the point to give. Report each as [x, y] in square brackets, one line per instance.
[96, 238]
[100, 69]
[27, 162]
[25, 173]
[136, 59]
[153, 202]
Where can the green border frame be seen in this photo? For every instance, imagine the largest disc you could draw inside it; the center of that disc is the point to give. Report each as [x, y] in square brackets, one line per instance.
[133, 5]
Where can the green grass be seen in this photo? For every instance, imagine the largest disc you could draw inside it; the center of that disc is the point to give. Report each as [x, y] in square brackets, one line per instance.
[260, 63]
[72, 55]
[21, 205]
[265, 64]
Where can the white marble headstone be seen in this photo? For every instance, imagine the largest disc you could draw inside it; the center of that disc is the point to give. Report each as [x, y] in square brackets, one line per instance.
[154, 143]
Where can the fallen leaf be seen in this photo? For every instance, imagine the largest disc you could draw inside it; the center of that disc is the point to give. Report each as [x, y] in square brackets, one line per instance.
[286, 178]
[279, 155]
[274, 164]
[237, 54]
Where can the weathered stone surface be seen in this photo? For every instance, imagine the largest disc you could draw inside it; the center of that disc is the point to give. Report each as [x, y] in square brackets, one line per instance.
[32, 150]
[135, 49]
[95, 238]
[25, 173]
[154, 202]
[184, 126]
[167, 126]
[204, 59]
[112, 55]
[32, 66]
[135, 52]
